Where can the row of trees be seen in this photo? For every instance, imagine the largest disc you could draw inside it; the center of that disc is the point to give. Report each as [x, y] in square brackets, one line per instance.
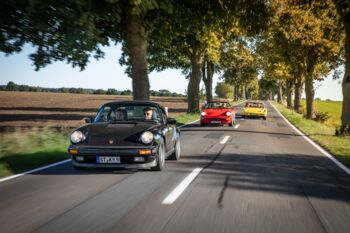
[287, 42]
[304, 42]
[11, 86]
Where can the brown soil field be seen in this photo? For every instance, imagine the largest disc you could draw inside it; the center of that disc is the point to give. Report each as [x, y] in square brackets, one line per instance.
[42, 109]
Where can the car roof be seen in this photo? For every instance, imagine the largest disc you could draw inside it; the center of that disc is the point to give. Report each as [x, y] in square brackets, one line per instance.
[136, 102]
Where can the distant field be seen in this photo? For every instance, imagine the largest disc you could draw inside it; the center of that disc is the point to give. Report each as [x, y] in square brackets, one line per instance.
[28, 109]
[332, 107]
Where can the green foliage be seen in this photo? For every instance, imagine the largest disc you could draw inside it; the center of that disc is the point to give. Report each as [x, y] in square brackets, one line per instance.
[224, 90]
[322, 116]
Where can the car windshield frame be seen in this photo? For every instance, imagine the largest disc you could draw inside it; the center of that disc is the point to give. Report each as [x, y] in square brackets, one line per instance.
[212, 105]
[254, 105]
[132, 113]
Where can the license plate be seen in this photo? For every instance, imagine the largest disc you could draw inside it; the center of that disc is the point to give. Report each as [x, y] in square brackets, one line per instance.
[107, 159]
[216, 122]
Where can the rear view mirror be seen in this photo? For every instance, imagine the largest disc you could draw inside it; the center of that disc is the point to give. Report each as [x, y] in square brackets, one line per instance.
[88, 120]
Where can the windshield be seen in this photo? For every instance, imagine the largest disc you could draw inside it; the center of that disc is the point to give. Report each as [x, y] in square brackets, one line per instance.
[217, 105]
[254, 105]
[123, 113]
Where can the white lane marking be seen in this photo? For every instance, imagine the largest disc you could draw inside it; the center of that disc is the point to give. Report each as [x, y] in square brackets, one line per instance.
[236, 127]
[171, 198]
[34, 170]
[224, 140]
[347, 170]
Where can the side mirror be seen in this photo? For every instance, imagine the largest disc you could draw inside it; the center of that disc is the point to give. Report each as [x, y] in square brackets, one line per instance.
[88, 120]
[171, 121]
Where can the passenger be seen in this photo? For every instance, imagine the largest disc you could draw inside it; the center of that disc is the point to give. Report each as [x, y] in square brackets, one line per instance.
[120, 115]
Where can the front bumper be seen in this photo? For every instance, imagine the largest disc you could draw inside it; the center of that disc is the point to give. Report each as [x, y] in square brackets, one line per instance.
[262, 114]
[126, 155]
[226, 120]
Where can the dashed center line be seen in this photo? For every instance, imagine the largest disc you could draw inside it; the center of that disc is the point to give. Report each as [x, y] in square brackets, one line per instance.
[181, 187]
[224, 140]
[236, 127]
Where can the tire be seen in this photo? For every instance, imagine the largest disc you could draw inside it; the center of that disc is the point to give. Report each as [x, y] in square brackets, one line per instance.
[78, 168]
[264, 118]
[202, 124]
[177, 151]
[160, 159]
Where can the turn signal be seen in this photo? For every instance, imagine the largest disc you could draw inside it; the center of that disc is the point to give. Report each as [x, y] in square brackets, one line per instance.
[73, 152]
[145, 152]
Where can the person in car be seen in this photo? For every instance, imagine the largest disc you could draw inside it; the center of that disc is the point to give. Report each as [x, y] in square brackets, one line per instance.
[148, 113]
[120, 115]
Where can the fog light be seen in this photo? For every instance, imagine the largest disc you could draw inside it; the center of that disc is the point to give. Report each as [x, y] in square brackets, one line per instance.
[79, 158]
[145, 152]
[139, 159]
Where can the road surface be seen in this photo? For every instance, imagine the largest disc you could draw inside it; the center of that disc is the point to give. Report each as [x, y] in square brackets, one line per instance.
[260, 176]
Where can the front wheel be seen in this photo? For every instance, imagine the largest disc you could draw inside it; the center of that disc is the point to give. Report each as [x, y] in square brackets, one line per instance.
[177, 151]
[160, 159]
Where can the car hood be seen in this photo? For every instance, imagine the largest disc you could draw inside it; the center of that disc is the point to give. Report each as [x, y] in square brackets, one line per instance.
[216, 112]
[254, 110]
[120, 134]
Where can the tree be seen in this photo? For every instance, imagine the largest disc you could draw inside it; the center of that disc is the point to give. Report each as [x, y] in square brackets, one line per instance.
[191, 35]
[343, 9]
[224, 90]
[75, 30]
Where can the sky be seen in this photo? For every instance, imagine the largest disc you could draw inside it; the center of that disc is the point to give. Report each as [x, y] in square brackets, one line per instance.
[107, 73]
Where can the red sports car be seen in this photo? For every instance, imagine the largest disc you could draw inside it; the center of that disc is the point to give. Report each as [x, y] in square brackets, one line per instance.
[218, 112]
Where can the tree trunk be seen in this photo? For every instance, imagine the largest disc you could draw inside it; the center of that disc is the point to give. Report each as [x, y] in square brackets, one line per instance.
[309, 85]
[243, 92]
[136, 41]
[345, 119]
[279, 92]
[289, 90]
[193, 85]
[208, 72]
[236, 89]
[343, 10]
[298, 89]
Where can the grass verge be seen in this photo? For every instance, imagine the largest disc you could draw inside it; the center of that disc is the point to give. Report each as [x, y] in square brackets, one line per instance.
[26, 149]
[321, 133]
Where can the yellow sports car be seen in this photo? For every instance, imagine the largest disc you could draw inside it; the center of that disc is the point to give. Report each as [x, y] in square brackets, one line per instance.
[254, 109]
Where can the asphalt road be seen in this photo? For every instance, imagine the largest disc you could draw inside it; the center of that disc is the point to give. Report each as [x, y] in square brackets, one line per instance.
[259, 177]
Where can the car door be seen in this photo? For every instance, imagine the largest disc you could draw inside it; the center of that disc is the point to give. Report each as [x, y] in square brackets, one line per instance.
[168, 132]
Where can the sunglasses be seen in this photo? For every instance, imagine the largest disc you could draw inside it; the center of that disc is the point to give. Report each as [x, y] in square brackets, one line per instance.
[147, 113]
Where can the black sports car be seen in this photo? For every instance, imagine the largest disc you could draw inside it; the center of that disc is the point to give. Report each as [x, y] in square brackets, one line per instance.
[130, 134]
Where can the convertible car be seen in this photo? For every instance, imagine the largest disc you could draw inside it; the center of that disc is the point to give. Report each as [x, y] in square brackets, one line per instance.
[218, 112]
[129, 134]
[254, 109]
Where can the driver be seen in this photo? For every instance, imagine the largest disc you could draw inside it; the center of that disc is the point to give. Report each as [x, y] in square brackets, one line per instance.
[148, 113]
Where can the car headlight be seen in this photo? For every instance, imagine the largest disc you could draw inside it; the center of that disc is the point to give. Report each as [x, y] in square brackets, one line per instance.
[228, 113]
[147, 137]
[77, 136]
[203, 113]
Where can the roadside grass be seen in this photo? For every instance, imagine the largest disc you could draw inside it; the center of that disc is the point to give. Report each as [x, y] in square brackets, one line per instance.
[26, 149]
[332, 107]
[323, 134]
[186, 118]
